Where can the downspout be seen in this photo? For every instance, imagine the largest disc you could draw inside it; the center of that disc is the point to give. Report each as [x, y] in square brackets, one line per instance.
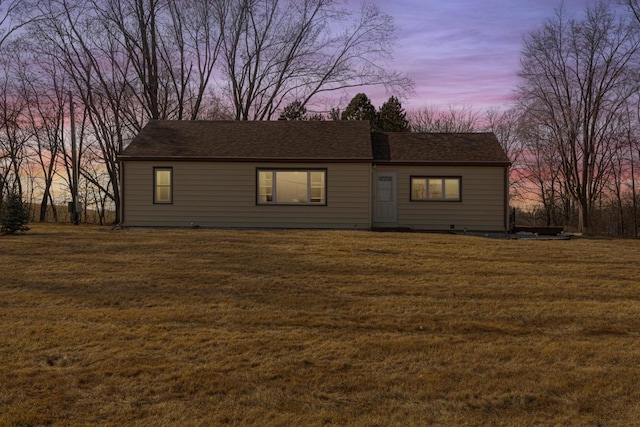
[505, 212]
[372, 170]
[122, 196]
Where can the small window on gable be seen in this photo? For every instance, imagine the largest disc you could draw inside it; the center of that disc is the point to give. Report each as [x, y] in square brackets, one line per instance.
[292, 187]
[435, 188]
[163, 185]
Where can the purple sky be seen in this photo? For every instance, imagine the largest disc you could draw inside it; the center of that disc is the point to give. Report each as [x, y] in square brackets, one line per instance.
[464, 52]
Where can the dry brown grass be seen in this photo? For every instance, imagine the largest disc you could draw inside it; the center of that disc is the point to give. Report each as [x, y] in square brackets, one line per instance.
[214, 327]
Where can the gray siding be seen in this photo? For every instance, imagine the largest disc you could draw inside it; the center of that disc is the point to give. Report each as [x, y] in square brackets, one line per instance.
[482, 207]
[223, 194]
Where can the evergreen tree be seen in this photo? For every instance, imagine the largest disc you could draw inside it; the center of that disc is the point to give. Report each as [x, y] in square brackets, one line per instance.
[297, 111]
[315, 117]
[361, 108]
[294, 111]
[334, 114]
[392, 117]
[13, 215]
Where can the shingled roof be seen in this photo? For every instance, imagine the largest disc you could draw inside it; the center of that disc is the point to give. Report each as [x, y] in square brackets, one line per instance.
[438, 148]
[256, 140]
[308, 141]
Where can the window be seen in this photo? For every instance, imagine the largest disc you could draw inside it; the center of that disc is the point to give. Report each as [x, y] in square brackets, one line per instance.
[292, 187]
[435, 188]
[162, 185]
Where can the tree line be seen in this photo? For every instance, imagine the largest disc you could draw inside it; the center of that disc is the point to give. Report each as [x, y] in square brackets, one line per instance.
[571, 134]
[579, 104]
[124, 62]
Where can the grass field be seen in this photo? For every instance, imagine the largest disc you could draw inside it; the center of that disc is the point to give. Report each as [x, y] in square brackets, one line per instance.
[215, 327]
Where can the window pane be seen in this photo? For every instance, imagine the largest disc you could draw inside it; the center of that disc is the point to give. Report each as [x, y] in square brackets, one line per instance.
[266, 178]
[419, 188]
[317, 195]
[163, 177]
[435, 189]
[291, 187]
[317, 187]
[265, 186]
[163, 194]
[317, 178]
[452, 188]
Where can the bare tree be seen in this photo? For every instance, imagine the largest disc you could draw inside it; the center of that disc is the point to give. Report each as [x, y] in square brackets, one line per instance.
[12, 18]
[453, 119]
[633, 6]
[197, 39]
[95, 68]
[576, 79]
[14, 131]
[43, 87]
[172, 47]
[278, 51]
[506, 126]
[128, 61]
[633, 141]
[626, 173]
[132, 29]
[541, 174]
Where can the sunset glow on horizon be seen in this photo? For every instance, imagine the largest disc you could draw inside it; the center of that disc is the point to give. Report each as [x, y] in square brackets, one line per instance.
[463, 52]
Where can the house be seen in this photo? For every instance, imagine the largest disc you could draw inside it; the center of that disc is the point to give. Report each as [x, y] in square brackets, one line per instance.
[311, 174]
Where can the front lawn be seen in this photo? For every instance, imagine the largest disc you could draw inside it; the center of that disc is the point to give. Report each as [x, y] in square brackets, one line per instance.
[214, 327]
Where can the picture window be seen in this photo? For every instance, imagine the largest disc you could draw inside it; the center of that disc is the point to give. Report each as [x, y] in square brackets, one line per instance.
[435, 189]
[291, 187]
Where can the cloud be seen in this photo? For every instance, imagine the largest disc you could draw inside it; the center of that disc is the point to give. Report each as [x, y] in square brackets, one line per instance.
[464, 52]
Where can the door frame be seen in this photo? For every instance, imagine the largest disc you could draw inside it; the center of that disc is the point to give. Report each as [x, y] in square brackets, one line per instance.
[394, 202]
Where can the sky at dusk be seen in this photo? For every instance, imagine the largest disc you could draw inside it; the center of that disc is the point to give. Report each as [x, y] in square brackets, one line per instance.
[464, 52]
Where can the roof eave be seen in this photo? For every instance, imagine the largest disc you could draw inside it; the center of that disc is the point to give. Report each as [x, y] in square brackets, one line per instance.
[441, 163]
[246, 159]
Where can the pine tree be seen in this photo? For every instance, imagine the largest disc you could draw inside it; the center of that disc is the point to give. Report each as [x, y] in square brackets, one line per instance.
[392, 118]
[13, 215]
[361, 108]
[294, 111]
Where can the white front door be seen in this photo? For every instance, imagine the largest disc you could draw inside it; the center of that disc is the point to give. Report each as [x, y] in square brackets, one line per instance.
[386, 198]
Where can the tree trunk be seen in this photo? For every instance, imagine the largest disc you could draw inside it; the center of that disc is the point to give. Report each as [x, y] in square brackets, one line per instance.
[43, 205]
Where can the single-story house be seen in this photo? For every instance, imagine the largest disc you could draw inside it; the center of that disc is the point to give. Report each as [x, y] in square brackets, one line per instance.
[311, 174]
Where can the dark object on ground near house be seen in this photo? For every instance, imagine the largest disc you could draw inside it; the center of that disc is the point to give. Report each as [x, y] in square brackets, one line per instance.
[541, 231]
